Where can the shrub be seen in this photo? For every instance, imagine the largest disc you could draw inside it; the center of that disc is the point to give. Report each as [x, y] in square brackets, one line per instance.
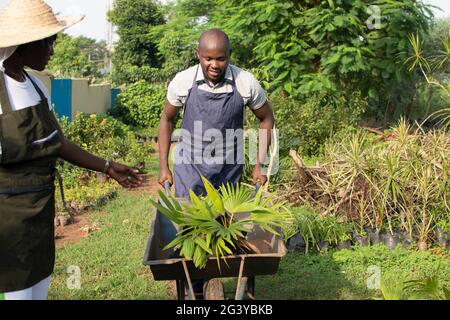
[140, 104]
[105, 137]
[396, 181]
[306, 125]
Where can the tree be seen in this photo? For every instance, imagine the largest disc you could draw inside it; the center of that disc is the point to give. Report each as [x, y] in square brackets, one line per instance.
[177, 39]
[311, 46]
[135, 56]
[77, 57]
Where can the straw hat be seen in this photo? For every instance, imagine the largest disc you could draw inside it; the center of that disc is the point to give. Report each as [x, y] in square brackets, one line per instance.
[24, 21]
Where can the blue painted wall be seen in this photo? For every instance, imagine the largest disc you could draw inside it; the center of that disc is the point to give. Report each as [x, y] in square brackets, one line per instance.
[114, 93]
[62, 93]
[62, 97]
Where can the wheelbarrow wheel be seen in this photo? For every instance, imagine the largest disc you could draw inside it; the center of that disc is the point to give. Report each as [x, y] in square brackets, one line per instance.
[213, 290]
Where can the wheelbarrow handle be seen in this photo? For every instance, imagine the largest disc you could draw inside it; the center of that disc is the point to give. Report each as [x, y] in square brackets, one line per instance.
[167, 186]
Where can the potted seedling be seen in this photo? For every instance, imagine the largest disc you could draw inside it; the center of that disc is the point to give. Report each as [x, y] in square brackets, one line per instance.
[344, 236]
[329, 229]
[360, 235]
[374, 235]
[407, 239]
[390, 239]
[296, 243]
[424, 229]
[344, 241]
[308, 229]
[360, 238]
[298, 239]
[443, 233]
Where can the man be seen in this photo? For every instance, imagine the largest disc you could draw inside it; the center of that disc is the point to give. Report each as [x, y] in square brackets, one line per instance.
[213, 96]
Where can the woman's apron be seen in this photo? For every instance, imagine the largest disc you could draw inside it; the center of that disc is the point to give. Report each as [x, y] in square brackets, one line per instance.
[220, 111]
[30, 143]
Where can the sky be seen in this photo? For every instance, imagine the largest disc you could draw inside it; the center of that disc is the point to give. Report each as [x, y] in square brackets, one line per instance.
[95, 24]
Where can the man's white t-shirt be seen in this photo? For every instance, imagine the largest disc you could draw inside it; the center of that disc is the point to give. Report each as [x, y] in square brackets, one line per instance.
[249, 88]
[24, 94]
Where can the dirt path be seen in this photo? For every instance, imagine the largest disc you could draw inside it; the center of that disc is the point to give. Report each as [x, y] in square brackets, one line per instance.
[82, 226]
[73, 232]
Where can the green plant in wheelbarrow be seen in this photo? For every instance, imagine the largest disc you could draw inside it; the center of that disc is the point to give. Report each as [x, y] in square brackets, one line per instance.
[210, 224]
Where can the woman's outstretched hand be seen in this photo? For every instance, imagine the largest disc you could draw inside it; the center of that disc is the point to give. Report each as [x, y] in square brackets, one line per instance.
[126, 176]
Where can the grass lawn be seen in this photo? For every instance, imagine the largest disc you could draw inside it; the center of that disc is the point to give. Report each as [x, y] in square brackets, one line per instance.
[343, 274]
[110, 261]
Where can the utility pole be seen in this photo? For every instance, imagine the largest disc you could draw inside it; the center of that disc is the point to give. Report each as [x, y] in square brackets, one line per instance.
[109, 38]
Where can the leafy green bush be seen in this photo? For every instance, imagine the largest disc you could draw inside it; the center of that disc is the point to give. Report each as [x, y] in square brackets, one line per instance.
[141, 104]
[105, 137]
[306, 46]
[306, 125]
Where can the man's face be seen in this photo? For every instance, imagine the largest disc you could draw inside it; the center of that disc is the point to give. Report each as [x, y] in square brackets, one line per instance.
[214, 61]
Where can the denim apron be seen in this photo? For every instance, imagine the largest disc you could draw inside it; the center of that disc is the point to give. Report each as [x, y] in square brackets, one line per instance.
[219, 112]
[30, 144]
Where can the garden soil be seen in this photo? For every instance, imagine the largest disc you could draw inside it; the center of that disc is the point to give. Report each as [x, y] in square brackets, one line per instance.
[82, 226]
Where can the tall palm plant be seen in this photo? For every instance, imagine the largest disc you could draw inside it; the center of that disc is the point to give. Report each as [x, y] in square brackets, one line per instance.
[428, 65]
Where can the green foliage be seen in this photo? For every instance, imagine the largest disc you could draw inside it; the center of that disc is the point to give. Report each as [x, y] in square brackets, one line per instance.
[141, 104]
[315, 228]
[177, 39]
[398, 181]
[103, 136]
[326, 46]
[210, 223]
[106, 137]
[424, 288]
[111, 258]
[135, 55]
[306, 125]
[433, 66]
[77, 57]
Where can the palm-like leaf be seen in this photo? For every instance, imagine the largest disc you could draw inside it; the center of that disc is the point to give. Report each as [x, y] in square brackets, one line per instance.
[209, 226]
[214, 197]
[173, 212]
[233, 197]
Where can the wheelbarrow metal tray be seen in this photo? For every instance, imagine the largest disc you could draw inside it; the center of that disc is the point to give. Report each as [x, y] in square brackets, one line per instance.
[167, 265]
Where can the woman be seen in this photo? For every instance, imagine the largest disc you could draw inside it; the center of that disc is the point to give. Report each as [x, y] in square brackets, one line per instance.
[30, 143]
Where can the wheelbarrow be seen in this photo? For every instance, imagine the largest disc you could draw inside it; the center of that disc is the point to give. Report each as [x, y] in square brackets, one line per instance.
[167, 265]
